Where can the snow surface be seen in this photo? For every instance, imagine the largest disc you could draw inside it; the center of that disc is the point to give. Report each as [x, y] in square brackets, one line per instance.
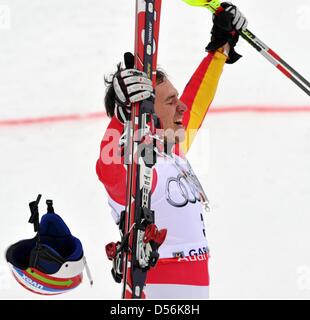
[255, 167]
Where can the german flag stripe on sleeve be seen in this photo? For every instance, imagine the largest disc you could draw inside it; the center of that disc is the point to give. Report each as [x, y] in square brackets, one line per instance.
[199, 93]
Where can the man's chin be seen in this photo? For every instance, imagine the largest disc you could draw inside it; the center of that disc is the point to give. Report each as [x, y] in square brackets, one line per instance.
[177, 137]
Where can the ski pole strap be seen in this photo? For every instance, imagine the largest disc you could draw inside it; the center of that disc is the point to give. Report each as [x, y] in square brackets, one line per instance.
[50, 208]
[34, 209]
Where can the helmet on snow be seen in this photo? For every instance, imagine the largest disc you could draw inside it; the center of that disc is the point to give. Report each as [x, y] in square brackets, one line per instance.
[53, 261]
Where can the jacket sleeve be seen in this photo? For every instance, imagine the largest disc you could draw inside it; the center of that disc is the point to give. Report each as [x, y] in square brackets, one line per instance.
[199, 93]
[110, 167]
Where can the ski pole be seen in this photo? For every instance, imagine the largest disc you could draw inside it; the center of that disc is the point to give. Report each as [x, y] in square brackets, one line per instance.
[215, 6]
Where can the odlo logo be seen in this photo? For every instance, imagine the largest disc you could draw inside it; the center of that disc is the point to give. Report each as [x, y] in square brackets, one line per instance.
[33, 283]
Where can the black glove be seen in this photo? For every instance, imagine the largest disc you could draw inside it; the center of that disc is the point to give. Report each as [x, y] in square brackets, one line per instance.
[226, 25]
[130, 85]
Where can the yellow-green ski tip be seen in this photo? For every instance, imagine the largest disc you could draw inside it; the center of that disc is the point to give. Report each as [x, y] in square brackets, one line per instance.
[212, 5]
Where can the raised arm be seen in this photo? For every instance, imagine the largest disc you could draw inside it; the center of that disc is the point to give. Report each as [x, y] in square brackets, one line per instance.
[199, 93]
[200, 90]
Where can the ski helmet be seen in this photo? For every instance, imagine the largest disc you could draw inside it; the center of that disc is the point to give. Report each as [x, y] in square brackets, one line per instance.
[53, 261]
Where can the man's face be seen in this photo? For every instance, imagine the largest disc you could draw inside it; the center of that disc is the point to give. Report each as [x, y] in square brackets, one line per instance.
[170, 110]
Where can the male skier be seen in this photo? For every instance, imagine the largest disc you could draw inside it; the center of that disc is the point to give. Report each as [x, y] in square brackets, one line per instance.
[177, 196]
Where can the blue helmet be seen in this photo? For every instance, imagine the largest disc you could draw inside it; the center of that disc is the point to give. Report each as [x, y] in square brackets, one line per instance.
[53, 261]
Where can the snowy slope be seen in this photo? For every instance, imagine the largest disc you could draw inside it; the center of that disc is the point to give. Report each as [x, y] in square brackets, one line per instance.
[256, 167]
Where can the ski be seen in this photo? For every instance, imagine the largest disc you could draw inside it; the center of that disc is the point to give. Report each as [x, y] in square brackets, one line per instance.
[140, 238]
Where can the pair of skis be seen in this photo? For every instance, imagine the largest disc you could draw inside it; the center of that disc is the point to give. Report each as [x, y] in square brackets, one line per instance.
[140, 239]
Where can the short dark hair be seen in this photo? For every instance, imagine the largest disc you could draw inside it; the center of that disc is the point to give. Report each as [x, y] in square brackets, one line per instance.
[109, 99]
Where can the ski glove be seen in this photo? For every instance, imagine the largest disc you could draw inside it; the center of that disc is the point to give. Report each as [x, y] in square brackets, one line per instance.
[130, 86]
[226, 25]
